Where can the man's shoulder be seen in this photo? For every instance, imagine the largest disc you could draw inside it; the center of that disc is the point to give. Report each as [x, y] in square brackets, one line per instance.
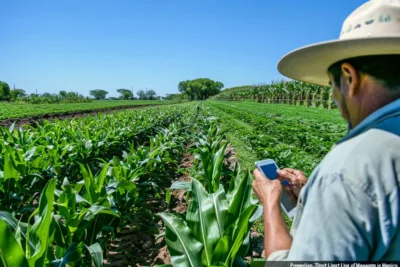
[369, 161]
[372, 145]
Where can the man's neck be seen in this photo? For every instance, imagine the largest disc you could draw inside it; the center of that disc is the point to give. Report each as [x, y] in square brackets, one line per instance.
[375, 101]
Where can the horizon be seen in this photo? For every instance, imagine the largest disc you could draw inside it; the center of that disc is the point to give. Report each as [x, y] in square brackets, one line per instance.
[80, 47]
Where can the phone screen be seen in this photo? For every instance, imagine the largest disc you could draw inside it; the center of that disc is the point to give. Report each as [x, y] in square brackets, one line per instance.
[288, 199]
[269, 170]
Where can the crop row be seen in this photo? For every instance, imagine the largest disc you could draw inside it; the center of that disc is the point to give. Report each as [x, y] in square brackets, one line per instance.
[292, 141]
[284, 92]
[13, 110]
[101, 170]
[215, 231]
[66, 188]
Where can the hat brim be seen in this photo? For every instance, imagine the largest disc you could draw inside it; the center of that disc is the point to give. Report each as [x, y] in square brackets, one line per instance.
[310, 63]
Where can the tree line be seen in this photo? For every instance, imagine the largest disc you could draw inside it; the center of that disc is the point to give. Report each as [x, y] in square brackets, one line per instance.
[196, 89]
[125, 94]
[17, 94]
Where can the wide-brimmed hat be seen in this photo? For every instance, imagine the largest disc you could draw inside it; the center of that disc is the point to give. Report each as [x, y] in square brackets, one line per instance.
[372, 29]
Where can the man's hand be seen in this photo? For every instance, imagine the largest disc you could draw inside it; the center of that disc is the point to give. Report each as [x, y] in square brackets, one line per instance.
[276, 234]
[296, 179]
[267, 191]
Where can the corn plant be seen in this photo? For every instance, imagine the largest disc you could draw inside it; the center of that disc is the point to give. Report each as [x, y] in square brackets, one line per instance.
[216, 225]
[24, 244]
[283, 92]
[101, 171]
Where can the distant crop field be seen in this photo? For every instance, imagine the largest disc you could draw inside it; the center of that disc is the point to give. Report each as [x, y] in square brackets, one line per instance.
[12, 110]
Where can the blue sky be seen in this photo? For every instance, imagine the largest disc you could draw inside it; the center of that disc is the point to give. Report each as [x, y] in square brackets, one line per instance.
[87, 44]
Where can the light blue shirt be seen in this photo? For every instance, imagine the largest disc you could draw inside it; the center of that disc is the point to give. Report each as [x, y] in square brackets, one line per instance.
[350, 207]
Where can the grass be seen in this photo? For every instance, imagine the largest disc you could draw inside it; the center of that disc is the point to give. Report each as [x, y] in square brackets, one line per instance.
[13, 111]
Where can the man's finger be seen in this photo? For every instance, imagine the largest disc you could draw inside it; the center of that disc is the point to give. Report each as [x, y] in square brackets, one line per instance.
[284, 174]
[289, 170]
[258, 174]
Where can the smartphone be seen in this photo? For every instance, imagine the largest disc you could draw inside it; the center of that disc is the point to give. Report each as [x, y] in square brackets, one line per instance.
[288, 200]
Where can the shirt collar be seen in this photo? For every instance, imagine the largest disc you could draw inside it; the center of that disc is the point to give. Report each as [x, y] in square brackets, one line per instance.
[384, 112]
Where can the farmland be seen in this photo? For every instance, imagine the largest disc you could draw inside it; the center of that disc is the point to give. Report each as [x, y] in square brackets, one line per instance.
[294, 136]
[147, 186]
[12, 110]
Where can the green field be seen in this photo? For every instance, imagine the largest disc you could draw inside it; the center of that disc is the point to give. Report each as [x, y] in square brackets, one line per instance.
[104, 189]
[12, 110]
[296, 137]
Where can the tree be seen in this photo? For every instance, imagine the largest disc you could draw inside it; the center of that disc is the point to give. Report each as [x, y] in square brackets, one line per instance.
[150, 94]
[141, 94]
[184, 87]
[4, 91]
[46, 95]
[63, 94]
[98, 94]
[125, 93]
[14, 94]
[73, 95]
[201, 88]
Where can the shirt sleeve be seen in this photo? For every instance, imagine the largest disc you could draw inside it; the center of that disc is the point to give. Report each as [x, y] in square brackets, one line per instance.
[336, 223]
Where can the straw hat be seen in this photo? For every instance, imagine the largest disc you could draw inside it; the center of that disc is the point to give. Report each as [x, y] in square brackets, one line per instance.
[372, 29]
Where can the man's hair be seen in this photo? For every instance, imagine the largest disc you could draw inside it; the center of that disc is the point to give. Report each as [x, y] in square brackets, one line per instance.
[384, 68]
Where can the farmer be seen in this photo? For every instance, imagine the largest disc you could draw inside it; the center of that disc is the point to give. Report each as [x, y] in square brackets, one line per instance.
[349, 208]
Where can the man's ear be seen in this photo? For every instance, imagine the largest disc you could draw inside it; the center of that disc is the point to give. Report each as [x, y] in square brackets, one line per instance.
[350, 79]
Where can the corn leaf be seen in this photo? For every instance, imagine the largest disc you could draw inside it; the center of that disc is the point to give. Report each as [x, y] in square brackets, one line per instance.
[228, 246]
[14, 225]
[38, 234]
[221, 207]
[11, 254]
[95, 209]
[97, 254]
[218, 160]
[168, 196]
[202, 220]
[240, 199]
[60, 231]
[178, 185]
[90, 184]
[71, 256]
[185, 250]
[9, 170]
[101, 177]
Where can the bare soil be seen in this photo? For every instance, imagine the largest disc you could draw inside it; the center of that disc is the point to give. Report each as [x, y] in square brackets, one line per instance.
[230, 157]
[65, 115]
